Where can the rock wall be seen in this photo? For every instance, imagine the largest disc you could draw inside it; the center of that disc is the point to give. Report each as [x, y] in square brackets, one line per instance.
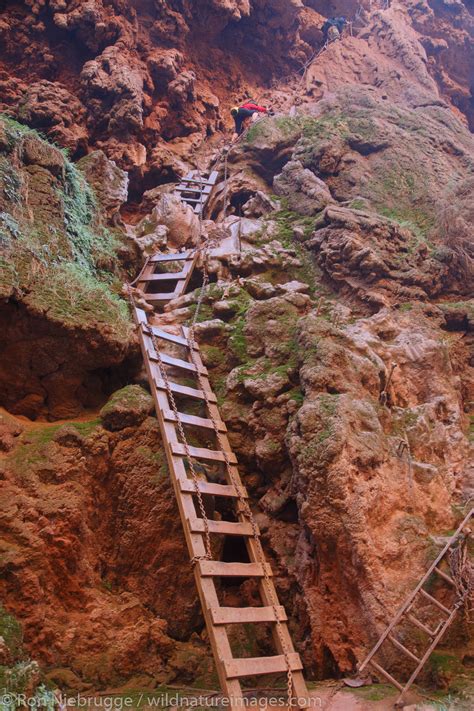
[146, 82]
[339, 341]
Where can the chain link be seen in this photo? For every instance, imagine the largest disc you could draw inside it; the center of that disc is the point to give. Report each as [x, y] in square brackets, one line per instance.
[245, 511]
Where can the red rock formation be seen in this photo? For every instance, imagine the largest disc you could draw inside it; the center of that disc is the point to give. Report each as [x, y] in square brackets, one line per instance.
[373, 168]
[147, 82]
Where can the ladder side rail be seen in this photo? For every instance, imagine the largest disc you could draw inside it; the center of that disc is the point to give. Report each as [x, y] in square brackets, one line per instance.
[429, 651]
[408, 602]
[266, 587]
[195, 543]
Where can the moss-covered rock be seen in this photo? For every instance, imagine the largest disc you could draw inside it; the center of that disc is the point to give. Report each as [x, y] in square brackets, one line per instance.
[127, 407]
[60, 281]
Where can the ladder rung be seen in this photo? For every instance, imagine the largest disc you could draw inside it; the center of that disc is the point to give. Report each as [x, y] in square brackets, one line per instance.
[201, 453]
[159, 333]
[204, 181]
[219, 569]
[165, 276]
[194, 421]
[385, 673]
[436, 602]
[189, 199]
[183, 364]
[223, 528]
[403, 649]
[176, 257]
[243, 615]
[445, 576]
[207, 487]
[421, 626]
[185, 390]
[168, 296]
[256, 666]
[188, 188]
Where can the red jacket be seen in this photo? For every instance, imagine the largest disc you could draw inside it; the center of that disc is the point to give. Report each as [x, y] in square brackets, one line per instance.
[254, 107]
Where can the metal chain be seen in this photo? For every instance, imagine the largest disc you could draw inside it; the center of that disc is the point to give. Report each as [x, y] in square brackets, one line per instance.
[246, 511]
[244, 506]
[226, 186]
[174, 407]
[189, 458]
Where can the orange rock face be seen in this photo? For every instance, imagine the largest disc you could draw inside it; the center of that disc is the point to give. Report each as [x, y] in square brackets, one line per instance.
[147, 81]
[340, 343]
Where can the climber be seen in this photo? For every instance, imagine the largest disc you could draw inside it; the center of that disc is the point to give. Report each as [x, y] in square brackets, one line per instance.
[332, 28]
[241, 115]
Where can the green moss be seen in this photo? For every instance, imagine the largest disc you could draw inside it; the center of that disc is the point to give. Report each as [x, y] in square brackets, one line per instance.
[131, 397]
[445, 663]
[11, 632]
[282, 126]
[60, 258]
[213, 357]
[374, 692]
[205, 312]
[332, 123]
[297, 395]
[73, 296]
[358, 205]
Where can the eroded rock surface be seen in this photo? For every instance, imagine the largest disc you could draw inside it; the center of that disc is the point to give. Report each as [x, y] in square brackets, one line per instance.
[337, 330]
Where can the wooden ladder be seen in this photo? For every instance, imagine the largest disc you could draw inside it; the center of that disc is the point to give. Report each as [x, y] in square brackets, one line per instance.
[163, 349]
[156, 275]
[195, 189]
[406, 614]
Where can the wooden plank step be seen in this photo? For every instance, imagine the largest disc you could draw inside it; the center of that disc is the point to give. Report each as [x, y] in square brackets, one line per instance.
[421, 626]
[256, 666]
[191, 199]
[172, 257]
[434, 601]
[444, 575]
[207, 487]
[194, 421]
[403, 649]
[188, 187]
[170, 337]
[183, 364]
[197, 181]
[201, 453]
[243, 615]
[385, 673]
[219, 569]
[160, 297]
[222, 528]
[185, 391]
[165, 276]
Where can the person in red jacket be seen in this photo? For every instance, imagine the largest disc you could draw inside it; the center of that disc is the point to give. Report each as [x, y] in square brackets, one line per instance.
[242, 113]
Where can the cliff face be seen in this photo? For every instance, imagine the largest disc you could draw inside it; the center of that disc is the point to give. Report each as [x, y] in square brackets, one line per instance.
[148, 81]
[339, 341]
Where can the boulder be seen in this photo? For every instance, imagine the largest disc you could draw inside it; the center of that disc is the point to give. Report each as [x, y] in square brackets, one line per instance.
[183, 228]
[110, 182]
[50, 107]
[305, 193]
[128, 407]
